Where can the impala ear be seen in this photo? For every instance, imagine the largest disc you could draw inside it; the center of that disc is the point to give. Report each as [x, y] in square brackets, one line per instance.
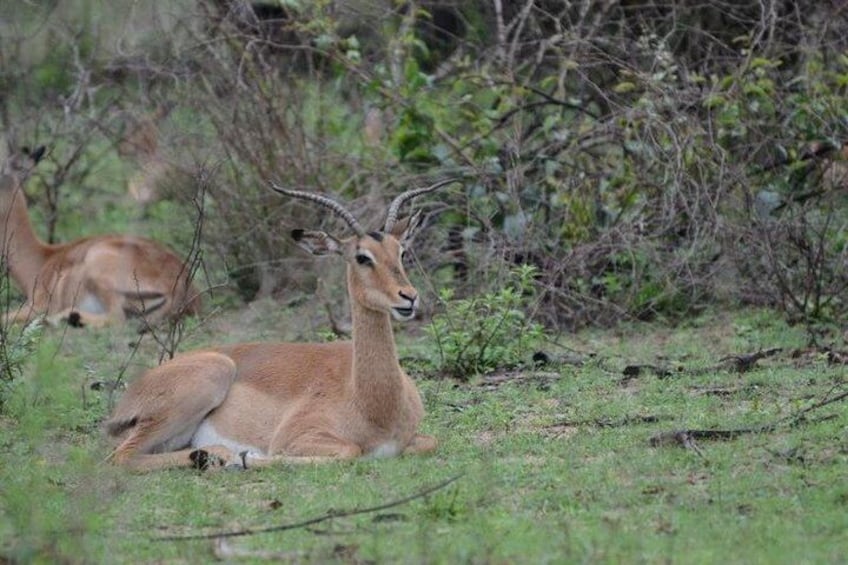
[317, 242]
[36, 154]
[21, 161]
[405, 228]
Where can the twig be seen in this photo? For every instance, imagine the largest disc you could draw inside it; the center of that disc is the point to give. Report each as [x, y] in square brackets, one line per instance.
[744, 363]
[609, 422]
[737, 363]
[169, 342]
[724, 391]
[685, 437]
[633, 371]
[317, 519]
[494, 380]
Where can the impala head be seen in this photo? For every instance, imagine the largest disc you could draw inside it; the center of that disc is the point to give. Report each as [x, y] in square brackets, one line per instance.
[376, 277]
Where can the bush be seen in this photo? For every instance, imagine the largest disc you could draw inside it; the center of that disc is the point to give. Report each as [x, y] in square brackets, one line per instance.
[14, 352]
[631, 153]
[487, 332]
[16, 344]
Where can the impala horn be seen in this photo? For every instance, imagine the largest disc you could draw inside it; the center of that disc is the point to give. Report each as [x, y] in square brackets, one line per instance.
[394, 207]
[324, 201]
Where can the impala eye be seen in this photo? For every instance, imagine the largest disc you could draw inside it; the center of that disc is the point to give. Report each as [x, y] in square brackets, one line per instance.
[363, 259]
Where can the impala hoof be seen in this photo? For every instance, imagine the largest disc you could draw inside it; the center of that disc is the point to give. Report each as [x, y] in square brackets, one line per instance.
[202, 460]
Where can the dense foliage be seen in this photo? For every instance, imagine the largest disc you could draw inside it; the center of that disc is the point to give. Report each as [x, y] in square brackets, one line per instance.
[489, 331]
[648, 159]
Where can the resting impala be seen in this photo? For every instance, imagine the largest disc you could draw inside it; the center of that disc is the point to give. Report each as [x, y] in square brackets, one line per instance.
[92, 281]
[263, 403]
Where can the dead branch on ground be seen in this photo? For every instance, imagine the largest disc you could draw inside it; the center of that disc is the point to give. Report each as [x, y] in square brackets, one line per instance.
[685, 438]
[329, 515]
[604, 422]
[734, 363]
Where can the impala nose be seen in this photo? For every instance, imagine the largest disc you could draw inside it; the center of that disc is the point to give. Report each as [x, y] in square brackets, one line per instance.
[412, 298]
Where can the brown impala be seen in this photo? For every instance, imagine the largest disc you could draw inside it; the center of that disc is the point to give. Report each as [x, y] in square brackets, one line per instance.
[92, 281]
[263, 403]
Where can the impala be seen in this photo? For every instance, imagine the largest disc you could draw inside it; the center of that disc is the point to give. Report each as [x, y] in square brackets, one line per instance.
[266, 403]
[92, 281]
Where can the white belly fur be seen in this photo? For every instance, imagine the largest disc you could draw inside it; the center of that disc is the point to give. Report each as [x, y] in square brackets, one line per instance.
[207, 436]
[91, 305]
[388, 449]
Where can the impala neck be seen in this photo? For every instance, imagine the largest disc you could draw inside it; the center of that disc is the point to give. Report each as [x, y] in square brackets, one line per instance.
[377, 375]
[24, 253]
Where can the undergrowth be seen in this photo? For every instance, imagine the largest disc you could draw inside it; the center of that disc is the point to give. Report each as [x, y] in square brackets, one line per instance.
[16, 347]
[489, 331]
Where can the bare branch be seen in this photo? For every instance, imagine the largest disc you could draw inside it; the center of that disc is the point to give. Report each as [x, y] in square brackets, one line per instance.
[322, 518]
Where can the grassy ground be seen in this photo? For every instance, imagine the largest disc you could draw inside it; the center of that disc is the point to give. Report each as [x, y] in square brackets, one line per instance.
[553, 465]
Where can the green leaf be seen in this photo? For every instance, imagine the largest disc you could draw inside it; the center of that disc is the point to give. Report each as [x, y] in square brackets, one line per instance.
[624, 87]
[713, 100]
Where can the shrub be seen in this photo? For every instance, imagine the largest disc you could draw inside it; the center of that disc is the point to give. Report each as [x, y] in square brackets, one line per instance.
[489, 331]
[14, 352]
[626, 151]
[16, 345]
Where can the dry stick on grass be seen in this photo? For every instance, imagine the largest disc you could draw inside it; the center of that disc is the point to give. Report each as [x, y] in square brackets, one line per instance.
[746, 362]
[738, 363]
[685, 438]
[329, 515]
[609, 422]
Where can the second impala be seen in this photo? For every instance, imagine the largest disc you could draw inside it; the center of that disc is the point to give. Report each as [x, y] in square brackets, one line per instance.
[92, 281]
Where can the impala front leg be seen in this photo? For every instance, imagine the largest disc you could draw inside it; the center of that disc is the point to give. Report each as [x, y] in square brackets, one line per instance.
[203, 459]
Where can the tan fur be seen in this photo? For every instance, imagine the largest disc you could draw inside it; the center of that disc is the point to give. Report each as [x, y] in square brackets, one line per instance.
[94, 281]
[287, 402]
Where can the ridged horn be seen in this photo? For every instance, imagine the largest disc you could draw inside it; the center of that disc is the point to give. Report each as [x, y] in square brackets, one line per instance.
[324, 201]
[394, 207]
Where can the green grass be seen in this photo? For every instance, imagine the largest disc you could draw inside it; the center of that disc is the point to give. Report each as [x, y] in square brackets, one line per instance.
[556, 468]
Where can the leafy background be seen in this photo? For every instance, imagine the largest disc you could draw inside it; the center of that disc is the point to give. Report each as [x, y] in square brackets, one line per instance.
[649, 160]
